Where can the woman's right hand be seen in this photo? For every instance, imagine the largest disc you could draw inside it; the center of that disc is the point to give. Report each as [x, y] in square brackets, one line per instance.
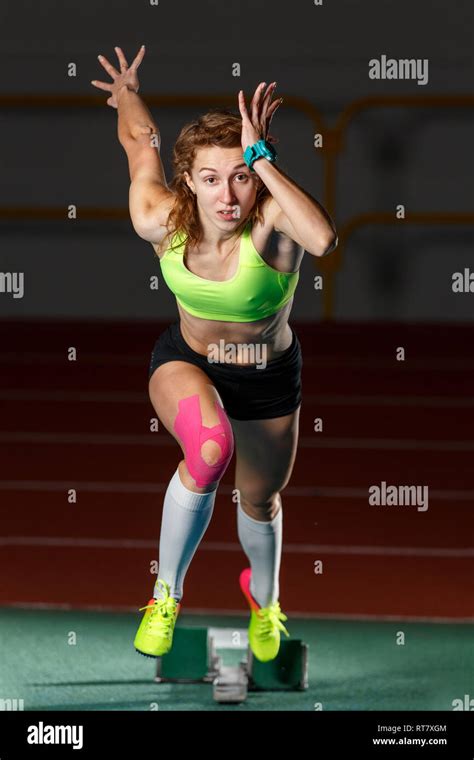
[126, 77]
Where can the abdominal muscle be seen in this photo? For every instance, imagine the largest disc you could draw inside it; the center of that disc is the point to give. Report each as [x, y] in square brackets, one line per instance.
[274, 332]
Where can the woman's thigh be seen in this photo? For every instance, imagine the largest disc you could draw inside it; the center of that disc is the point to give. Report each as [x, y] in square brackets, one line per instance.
[173, 388]
[265, 455]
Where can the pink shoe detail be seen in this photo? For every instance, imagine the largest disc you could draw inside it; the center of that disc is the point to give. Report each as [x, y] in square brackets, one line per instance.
[244, 580]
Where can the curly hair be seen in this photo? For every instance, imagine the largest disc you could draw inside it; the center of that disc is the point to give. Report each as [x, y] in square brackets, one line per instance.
[218, 127]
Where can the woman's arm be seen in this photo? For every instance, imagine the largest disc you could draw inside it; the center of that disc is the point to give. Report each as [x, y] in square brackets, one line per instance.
[150, 199]
[134, 118]
[292, 210]
[296, 213]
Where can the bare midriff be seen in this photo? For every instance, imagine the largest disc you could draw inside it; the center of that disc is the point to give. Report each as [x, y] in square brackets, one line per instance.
[274, 332]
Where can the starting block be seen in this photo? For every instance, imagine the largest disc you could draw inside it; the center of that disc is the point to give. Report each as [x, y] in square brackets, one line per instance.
[194, 659]
[288, 671]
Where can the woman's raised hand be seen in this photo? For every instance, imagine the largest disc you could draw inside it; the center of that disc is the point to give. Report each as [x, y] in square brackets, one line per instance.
[127, 75]
[256, 124]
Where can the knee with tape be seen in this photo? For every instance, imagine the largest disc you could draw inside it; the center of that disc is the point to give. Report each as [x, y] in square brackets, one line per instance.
[188, 426]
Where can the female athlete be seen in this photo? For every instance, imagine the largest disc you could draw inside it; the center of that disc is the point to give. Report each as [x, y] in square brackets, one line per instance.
[226, 375]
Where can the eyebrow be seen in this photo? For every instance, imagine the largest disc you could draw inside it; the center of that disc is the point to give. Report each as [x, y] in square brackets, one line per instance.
[208, 169]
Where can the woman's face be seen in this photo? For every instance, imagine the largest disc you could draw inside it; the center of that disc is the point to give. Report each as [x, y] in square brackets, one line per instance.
[222, 181]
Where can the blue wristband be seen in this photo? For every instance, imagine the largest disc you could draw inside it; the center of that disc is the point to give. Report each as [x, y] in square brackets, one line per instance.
[261, 149]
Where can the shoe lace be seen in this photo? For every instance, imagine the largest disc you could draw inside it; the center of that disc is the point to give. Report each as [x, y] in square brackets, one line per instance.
[162, 612]
[269, 618]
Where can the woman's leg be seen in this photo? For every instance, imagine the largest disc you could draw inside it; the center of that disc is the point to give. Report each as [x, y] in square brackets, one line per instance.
[265, 455]
[189, 407]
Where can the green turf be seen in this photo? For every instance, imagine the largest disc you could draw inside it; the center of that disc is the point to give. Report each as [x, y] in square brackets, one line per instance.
[352, 665]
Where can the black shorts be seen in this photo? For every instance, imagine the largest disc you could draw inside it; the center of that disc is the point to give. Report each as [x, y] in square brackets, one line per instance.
[247, 392]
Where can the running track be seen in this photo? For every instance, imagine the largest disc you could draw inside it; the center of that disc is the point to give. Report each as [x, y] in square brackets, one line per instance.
[85, 425]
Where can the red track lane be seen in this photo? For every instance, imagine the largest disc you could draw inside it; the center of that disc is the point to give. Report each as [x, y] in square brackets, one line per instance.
[341, 420]
[339, 466]
[348, 584]
[361, 445]
[308, 520]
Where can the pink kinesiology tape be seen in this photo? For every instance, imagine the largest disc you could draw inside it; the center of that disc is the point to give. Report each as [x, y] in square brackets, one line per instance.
[188, 425]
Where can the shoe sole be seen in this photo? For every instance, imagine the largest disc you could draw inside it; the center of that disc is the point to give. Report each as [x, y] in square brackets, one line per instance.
[152, 656]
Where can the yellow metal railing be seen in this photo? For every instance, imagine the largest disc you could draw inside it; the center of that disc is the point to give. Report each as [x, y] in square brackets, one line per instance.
[333, 144]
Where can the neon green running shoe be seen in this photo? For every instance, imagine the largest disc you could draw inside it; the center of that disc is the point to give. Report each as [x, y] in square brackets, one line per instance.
[265, 623]
[155, 634]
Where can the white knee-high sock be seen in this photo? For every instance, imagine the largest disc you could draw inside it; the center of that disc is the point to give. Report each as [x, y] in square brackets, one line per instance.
[186, 515]
[262, 542]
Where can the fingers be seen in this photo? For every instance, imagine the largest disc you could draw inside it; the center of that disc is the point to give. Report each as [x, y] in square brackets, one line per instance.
[111, 70]
[139, 58]
[252, 103]
[268, 108]
[270, 114]
[122, 59]
[102, 85]
[269, 93]
[242, 106]
[256, 100]
[273, 107]
[261, 107]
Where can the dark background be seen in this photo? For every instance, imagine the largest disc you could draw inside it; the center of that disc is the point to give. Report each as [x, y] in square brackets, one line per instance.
[65, 150]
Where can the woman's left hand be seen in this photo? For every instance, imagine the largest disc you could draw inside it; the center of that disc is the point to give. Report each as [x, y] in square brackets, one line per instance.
[255, 125]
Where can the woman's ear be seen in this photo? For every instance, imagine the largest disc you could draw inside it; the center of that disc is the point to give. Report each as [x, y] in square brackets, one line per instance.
[189, 182]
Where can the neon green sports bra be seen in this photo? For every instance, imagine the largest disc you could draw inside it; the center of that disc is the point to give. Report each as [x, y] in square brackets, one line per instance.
[254, 292]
